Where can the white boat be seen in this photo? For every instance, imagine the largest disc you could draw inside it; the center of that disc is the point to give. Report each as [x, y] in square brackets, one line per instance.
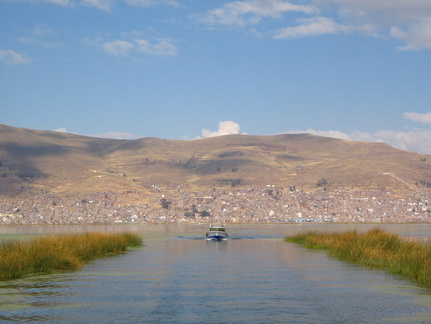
[216, 232]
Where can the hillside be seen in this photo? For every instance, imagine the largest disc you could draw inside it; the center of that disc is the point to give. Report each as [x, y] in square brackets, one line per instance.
[66, 164]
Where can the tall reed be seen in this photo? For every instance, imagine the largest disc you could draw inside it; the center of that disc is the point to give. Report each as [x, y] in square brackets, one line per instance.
[374, 249]
[47, 254]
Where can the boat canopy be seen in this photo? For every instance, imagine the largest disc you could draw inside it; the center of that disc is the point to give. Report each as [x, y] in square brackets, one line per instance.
[218, 228]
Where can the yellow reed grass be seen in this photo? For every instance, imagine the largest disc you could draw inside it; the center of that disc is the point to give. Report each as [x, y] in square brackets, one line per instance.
[48, 254]
[374, 249]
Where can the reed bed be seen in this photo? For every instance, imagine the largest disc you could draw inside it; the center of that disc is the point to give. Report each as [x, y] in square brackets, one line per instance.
[374, 249]
[48, 254]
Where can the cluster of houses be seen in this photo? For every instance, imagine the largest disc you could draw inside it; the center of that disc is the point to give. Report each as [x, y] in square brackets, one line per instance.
[178, 204]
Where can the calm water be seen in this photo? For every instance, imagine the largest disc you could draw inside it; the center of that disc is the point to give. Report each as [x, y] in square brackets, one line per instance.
[179, 277]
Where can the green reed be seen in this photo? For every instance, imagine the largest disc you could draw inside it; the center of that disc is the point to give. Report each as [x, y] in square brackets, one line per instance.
[48, 254]
[374, 249]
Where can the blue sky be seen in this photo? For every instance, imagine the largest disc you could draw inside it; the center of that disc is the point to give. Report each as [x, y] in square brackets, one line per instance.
[186, 69]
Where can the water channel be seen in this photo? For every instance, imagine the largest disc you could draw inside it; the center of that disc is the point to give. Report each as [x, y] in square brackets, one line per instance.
[179, 277]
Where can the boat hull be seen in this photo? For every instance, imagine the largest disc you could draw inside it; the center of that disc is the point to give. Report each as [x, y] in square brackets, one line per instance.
[216, 236]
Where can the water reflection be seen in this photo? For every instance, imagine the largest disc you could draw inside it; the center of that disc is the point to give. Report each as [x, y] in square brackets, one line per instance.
[21, 300]
[180, 277]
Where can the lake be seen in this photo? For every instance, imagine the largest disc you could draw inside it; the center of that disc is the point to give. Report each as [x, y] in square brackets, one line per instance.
[179, 277]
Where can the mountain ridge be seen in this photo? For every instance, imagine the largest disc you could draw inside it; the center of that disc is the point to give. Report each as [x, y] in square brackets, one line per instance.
[66, 164]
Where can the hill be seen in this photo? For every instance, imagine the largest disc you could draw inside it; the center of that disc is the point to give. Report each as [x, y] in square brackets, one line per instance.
[66, 164]
[56, 178]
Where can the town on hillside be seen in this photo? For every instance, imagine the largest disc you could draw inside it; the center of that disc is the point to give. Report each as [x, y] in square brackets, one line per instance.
[177, 204]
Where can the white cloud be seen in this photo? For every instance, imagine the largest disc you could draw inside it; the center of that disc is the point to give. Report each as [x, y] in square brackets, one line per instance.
[406, 20]
[116, 135]
[150, 3]
[42, 30]
[160, 47]
[387, 12]
[104, 5]
[63, 3]
[224, 128]
[61, 130]
[362, 137]
[60, 2]
[329, 133]
[10, 57]
[242, 13]
[112, 135]
[118, 47]
[416, 117]
[40, 35]
[415, 140]
[416, 36]
[312, 27]
[64, 130]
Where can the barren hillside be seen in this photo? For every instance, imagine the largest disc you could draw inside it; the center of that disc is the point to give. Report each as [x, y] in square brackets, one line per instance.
[66, 164]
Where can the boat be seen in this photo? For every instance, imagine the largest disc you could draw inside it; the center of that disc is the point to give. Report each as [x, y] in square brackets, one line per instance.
[217, 233]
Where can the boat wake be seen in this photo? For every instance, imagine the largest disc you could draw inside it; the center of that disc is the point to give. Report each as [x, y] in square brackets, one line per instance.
[233, 238]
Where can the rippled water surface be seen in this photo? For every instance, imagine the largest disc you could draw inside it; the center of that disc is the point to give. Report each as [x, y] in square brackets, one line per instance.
[179, 277]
